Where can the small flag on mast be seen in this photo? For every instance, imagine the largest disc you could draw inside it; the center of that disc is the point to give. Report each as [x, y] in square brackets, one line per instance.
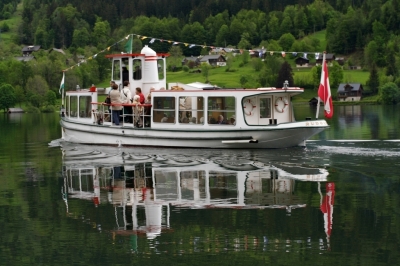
[128, 45]
[62, 84]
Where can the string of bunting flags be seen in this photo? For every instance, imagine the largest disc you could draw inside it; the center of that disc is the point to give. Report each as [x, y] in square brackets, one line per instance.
[128, 49]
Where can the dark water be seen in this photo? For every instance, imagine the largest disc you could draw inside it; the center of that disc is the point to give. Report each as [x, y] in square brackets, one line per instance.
[335, 202]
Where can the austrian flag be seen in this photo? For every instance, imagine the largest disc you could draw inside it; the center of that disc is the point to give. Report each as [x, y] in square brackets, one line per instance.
[324, 91]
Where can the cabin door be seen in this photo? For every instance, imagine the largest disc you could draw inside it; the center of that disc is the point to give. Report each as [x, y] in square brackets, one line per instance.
[265, 115]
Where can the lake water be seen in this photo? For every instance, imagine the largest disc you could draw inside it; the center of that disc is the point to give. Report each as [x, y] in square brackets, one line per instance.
[335, 202]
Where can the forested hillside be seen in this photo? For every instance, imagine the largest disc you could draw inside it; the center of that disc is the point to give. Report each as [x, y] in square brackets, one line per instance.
[367, 32]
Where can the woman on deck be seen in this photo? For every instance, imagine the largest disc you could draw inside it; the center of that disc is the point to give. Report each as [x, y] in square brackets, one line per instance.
[115, 97]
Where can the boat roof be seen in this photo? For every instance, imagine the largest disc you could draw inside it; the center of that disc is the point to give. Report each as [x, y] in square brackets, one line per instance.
[133, 55]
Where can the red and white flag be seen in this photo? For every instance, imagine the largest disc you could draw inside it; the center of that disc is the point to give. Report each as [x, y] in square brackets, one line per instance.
[324, 91]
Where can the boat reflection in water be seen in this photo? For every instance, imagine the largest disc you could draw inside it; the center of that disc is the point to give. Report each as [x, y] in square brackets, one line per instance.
[143, 188]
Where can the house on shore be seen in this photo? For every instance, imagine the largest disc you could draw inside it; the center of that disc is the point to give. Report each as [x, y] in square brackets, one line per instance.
[192, 60]
[350, 92]
[27, 53]
[302, 62]
[29, 49]
[214, 60]
[328, 57]
[15, 110]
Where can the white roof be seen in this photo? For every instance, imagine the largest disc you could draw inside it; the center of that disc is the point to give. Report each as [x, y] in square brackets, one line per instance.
[200, 85]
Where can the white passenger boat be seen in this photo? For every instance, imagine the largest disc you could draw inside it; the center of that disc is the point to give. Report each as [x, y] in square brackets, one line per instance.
[185, 115]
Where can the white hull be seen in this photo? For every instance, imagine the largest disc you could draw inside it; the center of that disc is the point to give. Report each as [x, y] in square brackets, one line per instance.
[276, 136]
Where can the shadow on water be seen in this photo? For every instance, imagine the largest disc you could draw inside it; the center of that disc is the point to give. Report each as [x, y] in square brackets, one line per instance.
[144, 189]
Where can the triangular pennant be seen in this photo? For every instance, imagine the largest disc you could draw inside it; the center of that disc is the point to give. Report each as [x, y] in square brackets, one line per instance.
[144, 37]
[283, 54]
[271, 53]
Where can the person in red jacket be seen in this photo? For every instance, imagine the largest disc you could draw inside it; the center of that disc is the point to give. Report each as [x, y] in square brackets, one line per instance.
[139, 92]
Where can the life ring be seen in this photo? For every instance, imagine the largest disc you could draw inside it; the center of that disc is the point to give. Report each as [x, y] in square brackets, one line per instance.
[248, 107]
[281, 104]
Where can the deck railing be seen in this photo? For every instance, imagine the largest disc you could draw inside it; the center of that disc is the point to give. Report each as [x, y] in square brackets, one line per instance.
[141, 114]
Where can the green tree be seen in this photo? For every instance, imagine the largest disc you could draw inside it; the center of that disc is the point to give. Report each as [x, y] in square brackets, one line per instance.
[286, 41]
[335, 74]
[5, 27]
[205, 71]
[80, 38]
[286, 25]
[316, 75]
[245, 57]
[285, 74]
[300, 21]
[243, 80]
[244, 43]
[272, 67]
[193, 33]
[136, 45]
[373, 81]
[51, 98]
[175, 56]
[257, 63]
[274, 29]
[390, 93]
[36, 89]
[229, 62]
[236, 30]
[222, 36]
[371, 54]
[19, 95]
[7, 97]
[101, 33]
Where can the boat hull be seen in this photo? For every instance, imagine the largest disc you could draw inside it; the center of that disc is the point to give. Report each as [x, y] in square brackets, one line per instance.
[260, 137]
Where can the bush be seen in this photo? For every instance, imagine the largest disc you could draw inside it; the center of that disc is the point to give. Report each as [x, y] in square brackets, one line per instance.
[390, 93]
[185, 68]
[48, 109]
[5, 27]
[33, 109]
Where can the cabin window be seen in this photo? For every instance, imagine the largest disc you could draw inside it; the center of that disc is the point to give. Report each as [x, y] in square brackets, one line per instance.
[160, 67]
[125, 70]
[164, 110]
[191, 110]
[116, 70]
[73, 106]
[221, 110]
[137, 69]
[265, 107]
[85, 106]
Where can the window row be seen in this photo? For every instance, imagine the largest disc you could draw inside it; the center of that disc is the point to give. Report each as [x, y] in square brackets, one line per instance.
[220, 110]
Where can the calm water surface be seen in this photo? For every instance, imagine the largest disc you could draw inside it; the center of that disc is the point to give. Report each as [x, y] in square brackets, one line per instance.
[335, 202]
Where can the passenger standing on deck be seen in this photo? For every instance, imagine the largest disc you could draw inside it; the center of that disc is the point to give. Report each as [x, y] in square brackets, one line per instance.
[116, 108]
[139, 92]
[126, 98]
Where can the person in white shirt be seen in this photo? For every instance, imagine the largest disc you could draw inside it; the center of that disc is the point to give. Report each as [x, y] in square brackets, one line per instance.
[126, 98]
